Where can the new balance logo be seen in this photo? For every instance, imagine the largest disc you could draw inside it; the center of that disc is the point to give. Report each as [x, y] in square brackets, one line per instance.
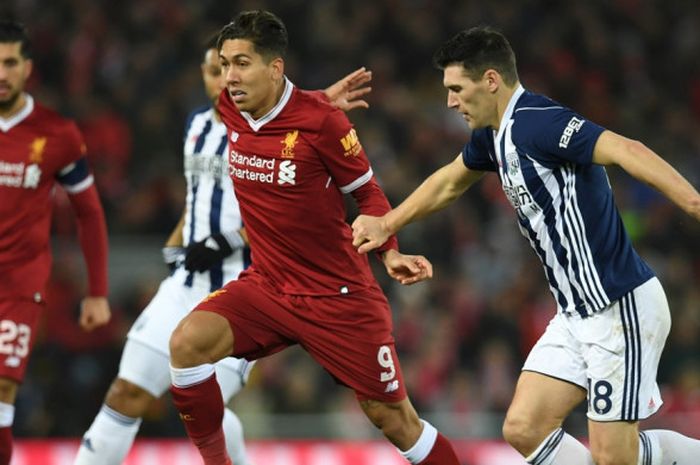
[392, 386]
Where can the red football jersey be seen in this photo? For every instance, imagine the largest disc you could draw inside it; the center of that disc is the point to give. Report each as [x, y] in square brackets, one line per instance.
[290, 169]
[36, 146]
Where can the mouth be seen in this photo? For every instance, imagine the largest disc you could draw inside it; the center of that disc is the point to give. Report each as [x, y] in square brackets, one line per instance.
[237, 95]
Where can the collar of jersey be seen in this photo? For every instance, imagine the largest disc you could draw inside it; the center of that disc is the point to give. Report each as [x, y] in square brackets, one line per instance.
[7, 124]
[256, 124]
[509, 110]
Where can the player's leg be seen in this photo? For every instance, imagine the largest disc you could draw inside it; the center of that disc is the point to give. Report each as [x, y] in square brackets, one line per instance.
[232, 374]
[417, 440]
[8, 394]
[144, 374]
[18, 322]
[204, 337]
[552, 383]
[350, 336]
[622, 370]
[535, 416]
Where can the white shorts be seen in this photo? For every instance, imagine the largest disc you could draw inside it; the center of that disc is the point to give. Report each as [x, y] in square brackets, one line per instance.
[614, 354]
[146, 355]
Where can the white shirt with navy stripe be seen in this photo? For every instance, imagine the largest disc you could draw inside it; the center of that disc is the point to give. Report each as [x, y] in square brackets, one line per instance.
[543, 154]
[211, 205]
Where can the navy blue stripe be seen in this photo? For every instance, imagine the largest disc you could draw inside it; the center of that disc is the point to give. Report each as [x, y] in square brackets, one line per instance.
[549, 447]
[216, 273]
[191, 117]
[626, 332]
[638, 351]
[190, 276]
[202, 137]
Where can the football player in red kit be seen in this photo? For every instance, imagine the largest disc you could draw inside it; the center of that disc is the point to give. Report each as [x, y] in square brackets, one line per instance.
[38, 148]
[292, 158]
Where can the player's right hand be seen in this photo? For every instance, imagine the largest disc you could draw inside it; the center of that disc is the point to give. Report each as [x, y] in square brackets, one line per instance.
[202, 255]
[407, 269]
[368, 233]
[94, 312]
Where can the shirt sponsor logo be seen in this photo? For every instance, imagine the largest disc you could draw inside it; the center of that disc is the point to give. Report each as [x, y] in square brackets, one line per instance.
[19, 175]
[289, 142]
[351, 144]
[572, 128]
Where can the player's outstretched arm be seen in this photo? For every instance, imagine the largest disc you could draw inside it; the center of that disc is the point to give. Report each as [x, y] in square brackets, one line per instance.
[645, 165]
[439, 190]
[94, 312]
[407, 269]
[346, 93]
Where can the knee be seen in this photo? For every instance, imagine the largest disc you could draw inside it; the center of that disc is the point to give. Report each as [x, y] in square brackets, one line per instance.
[186, 350]
[8, 390]
[127, 398]
[522, 433]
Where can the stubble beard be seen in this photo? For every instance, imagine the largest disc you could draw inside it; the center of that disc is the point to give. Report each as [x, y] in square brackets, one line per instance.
[7, 104]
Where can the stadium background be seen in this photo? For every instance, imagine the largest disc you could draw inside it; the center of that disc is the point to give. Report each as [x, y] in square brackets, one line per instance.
[128, 72]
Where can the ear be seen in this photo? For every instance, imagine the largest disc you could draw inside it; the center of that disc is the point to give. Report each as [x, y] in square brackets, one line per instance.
[28, 65]
[493, 80]
[277, 68]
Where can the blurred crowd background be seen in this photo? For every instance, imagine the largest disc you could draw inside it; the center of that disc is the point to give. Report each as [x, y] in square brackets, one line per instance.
[128, 72]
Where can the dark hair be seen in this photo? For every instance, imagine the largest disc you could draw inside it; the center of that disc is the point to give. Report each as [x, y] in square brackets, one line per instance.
[11, 32]
[478, 49]
[265, 30]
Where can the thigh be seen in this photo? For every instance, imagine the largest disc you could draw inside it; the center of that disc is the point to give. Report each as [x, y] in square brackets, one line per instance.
[351, 337]
[169, 306]
[19, 320]
[543, 402]
[622, 347]
[258, 316]
[145, 367]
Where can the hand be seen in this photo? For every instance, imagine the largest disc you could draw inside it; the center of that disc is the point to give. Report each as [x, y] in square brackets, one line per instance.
[202, 255]
[172, 256]
[345, 94]
[407, 269]
[94, 312]
[369, 232]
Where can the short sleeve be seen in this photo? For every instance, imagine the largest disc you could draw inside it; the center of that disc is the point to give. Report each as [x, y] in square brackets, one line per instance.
[558, 134]
[475, 154]
[341, 151]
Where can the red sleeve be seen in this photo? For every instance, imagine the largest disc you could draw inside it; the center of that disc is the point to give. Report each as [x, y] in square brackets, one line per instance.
[92, 233]
[372, 201]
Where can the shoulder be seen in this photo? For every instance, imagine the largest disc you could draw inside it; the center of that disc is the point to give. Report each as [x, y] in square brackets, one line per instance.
[51, 119]
[537, 115]
[315, 109]
[199, 113]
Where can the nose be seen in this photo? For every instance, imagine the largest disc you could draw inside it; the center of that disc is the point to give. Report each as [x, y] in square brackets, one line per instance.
[231, 76]
[452, 101]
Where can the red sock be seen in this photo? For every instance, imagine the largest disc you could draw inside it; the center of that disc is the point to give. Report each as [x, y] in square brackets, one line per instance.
[5, 445]
[442, 453]
[202, 411]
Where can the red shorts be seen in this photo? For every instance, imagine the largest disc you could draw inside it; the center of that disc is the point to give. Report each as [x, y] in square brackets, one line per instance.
[19, 319]
[348, 334]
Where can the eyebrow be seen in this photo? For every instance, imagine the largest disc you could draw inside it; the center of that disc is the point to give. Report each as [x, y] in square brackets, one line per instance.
[236, 56]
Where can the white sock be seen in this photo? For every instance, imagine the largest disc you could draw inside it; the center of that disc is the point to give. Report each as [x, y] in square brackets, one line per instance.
[559, 448]
[7, 414]
[109, 438]
[420, 450]
[673, 448]
[233, 433]
[184, 377]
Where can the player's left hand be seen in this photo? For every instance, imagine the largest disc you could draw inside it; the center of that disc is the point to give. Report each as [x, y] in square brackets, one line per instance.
[345, 94]
[94, 312]
[407, 269]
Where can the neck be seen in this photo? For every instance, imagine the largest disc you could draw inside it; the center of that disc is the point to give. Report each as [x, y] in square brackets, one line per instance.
[275, 97]
[502, 101]
[14, 107]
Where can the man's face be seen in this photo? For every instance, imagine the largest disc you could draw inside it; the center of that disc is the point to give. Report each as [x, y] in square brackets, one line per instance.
[250, 80]
[14, 71]
[472, 99]
[212, 76]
